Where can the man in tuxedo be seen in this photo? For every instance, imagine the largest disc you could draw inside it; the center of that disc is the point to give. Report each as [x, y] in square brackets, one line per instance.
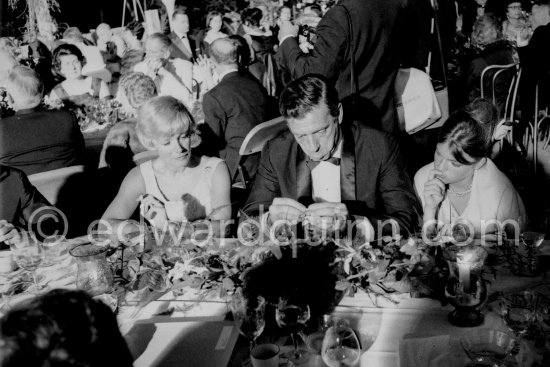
[183, 46]
[330, 169]
[380, 33]
[233, 107]
[36, 140]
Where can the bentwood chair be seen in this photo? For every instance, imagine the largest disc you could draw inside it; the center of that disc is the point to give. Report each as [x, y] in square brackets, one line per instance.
[254, 143]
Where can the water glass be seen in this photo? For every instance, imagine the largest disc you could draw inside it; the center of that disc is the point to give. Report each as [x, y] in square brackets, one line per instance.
[28, 254]
[249, 313]
[341, 347]
[52, 247]
[487, 347]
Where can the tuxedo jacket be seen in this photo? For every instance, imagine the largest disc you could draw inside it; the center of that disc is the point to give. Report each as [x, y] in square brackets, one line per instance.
[373, 179]
[231, 109]
[36, 140]
[180, 51]
[379, 38]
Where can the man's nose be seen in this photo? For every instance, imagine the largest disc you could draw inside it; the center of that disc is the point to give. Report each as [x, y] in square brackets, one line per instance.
[312, 143]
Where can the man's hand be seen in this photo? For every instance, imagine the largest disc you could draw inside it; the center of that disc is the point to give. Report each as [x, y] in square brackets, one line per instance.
[434, 190]
[287, 29]
[8, 233]
[286, 209]
[330, 215]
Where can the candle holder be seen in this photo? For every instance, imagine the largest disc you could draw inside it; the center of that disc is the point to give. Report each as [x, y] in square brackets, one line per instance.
[466, 289]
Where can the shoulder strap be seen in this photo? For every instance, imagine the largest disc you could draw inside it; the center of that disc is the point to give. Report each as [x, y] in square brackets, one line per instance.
[353, 86]
[148, 175]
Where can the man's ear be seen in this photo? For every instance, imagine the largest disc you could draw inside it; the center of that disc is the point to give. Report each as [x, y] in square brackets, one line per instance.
[340, 113]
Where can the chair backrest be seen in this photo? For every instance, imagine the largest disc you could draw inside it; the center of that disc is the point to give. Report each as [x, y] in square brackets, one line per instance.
[508, 111]
[49, 183]
[261, 134]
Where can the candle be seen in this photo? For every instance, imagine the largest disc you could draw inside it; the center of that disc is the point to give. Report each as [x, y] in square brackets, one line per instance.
[464, 275]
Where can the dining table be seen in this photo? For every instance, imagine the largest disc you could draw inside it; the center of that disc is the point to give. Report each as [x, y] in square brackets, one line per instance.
[195, 328]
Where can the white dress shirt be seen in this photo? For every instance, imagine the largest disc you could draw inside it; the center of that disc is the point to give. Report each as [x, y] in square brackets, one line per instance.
[325, 180]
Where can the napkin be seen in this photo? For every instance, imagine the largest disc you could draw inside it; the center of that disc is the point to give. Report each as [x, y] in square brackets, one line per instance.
[435, 351]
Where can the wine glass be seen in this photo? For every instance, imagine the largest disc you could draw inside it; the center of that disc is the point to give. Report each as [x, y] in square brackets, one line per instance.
[487, 347]
[292, 314]
[519, 311]
[341, 346]
[249, 313]
[28, 254]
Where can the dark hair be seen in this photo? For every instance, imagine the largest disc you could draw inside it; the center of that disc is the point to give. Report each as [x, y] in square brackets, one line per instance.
[243, 50]
[252, 16]
[180, 10]
[64, 50]
[465, 136]
[316, 8]
[211, 15]
[62, 328]
[305, 93]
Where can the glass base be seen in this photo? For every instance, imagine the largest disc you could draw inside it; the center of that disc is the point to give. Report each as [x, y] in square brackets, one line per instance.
[297, 357]
[466, 318]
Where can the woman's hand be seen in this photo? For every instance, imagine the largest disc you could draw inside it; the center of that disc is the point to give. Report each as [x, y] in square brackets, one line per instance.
[502, 129]
[8, 233]
[434, 190]
[154, 211]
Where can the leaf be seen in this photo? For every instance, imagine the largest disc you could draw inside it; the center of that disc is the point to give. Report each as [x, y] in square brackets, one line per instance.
[228, 284]
[342, 285]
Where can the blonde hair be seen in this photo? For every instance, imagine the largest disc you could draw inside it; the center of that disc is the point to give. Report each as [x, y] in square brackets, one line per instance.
[163, 117]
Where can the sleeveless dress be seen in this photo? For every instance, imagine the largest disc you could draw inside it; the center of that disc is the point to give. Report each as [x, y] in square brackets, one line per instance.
[85, 99]
[196, 202]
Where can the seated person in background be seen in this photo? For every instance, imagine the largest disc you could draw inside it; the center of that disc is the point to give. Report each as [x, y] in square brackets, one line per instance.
[342, 168]
[95, 66]
[62, 328]
[177, 186]
[515, 28]
[173, 77]
[37, 140]
[76, 89]
[132, 35]
[23, 208]
[233, 107]
[491, 49]
[462, 184]
[134, 90]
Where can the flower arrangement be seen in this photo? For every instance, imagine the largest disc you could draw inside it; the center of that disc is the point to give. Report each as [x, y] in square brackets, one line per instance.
[396, 264]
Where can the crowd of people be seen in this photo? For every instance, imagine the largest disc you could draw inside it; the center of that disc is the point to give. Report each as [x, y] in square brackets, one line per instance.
[328, 68]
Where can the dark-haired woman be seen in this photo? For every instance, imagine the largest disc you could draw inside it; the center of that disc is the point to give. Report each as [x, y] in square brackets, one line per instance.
[214, 24]
[62, 328]
[76, 89]
[463, 184]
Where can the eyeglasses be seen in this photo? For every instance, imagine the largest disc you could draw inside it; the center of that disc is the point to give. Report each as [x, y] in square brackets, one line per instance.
[515, 7]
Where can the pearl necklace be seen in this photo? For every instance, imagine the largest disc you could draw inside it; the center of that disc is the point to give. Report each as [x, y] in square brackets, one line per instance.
[461, 193]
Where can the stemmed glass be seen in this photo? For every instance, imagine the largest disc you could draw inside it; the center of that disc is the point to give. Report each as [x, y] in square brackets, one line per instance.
[341, 346]
[292, 314]
[28, 254]
[249, 313]
[519, 313]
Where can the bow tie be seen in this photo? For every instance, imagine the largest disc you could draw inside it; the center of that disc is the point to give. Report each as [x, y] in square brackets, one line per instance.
[311, 164]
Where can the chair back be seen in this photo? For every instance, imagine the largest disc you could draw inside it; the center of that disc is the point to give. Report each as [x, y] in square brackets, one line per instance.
[508, 111]
[261, 134]
[49, 183]
[254, 143]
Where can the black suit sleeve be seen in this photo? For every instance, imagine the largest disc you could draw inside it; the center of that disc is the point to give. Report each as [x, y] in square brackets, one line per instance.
[214, 116]
[328, 53]
[396, 196]
[266, 185]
